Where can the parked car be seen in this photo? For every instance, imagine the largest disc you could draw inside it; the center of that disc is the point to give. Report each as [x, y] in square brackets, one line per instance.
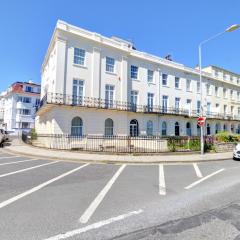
[236, 152]
[2, 137]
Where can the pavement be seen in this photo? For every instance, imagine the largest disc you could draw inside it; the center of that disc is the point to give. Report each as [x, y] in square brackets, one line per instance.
[60, 199]
[18, 147]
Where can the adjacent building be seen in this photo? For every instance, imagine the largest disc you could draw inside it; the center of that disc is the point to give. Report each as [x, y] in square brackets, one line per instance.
[95, 85]
[18, 105]
[2, 101]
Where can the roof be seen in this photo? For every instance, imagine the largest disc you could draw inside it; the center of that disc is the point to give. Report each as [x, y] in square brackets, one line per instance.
[223, 69]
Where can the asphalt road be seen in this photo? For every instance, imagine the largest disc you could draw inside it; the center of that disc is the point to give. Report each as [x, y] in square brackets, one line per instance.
[45, 199]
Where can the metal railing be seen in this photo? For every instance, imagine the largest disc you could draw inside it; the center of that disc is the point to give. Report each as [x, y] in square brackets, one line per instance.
[114, 144]
[90, 102]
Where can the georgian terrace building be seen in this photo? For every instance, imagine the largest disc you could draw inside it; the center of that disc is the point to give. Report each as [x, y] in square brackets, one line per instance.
[95, 85]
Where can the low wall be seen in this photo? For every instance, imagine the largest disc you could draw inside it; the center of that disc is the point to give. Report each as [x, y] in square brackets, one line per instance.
[224, 147]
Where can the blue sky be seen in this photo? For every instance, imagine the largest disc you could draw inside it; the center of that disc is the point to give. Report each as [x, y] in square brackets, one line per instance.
[155, 26]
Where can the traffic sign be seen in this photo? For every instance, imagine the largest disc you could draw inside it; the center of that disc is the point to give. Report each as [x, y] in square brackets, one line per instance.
[201, 121]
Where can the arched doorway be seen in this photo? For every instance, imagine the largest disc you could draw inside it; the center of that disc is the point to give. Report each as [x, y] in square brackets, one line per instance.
[177, 129]
[208, 129]
[134, 131]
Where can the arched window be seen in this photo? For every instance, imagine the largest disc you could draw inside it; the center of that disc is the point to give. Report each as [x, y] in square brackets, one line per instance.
[238, 129]
[134, 128]
[177, 129]
[208, 129]
[188, 129]
[232, 128]
[164, 128]
[224, 127]
[77, 127]
[108, 127]
[217, 128]
[198, 130]
[149, 128]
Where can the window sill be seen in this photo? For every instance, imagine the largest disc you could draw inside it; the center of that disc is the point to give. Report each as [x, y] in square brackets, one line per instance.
[178, 88]
[135, 80]
[151, 83]
[111, 73]
[166, 86]
[190, 91]
[80, 66]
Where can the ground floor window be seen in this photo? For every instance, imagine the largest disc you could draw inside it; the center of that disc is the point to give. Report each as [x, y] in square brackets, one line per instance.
[164, 128]
[177, 129]
[188, 129]
[149, 128]
[108, 127]
[224, 127]
[232, 128]
[77, 126]
[217, 128]
[198, 130]
[134, 131]
[238, 129]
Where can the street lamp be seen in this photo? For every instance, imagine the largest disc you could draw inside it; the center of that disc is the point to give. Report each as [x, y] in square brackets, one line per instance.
[229, 29]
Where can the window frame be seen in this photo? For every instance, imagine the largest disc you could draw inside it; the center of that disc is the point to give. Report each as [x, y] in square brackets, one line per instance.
[110, 66]
[164, 79]
[150, 77]
[108, 129]
[78, 59]
[177, 78]
[134, 72]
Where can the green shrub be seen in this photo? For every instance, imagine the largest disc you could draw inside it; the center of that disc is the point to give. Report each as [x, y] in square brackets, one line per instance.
[172, 144]
[33, 134]
[227, 137]
[208, 147]
[194, 145]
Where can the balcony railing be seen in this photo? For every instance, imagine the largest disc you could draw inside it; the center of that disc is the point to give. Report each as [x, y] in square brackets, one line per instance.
[90, 102]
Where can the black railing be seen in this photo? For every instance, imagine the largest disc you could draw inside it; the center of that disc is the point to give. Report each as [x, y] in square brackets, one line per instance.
[115, 144]
[71, 100]
[90, 102]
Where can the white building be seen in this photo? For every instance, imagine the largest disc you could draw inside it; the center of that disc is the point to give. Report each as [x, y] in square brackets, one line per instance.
[93, 84]
[19, 104]
[2, 101]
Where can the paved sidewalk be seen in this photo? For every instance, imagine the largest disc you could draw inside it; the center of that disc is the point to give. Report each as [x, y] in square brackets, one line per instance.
[18, 147]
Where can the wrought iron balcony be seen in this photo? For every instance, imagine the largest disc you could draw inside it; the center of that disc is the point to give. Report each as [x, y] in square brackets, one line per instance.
[89, 102]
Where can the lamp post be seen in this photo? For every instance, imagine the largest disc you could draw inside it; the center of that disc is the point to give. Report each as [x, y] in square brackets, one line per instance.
[229, 29]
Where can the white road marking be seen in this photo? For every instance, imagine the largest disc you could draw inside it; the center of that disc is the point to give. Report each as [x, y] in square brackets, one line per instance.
[204, 178]
[8, 163]
[162, 185]
[94, 226]
[27, 169]
[93, 206]
[197, 170]
[10, 157]
[34, 189]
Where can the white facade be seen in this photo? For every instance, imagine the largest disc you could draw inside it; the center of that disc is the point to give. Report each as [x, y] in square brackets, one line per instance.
[2, 102]
[19, 105]
[93, 77]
